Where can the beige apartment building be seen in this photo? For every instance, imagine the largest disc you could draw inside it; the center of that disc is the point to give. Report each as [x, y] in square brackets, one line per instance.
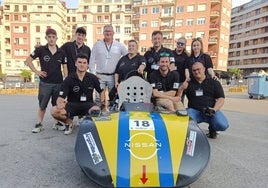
[25, 22]
[248, 48]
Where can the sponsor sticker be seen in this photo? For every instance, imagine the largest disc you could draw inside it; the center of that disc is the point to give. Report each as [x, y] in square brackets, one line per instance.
[92, 147]
[190, 142]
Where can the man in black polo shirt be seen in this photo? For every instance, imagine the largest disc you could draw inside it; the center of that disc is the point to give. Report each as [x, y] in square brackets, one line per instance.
[165, 85]
[51, 59]
[73, 48]
[153, 54]
[205, 98]
[78, 88]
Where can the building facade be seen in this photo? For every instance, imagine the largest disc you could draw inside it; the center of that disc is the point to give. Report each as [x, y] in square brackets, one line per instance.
[248, 48]
[25, 22]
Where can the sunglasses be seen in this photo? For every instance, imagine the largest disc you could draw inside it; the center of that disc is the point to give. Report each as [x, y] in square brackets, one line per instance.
[180, 43]
[164, 54]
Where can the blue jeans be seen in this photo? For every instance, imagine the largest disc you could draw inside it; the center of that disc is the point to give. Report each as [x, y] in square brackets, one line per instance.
[218, 122]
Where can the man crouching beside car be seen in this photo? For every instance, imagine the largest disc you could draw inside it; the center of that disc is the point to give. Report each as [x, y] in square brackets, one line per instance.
[205, 98]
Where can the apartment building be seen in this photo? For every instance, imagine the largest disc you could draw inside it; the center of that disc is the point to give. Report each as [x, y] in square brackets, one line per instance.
[248, 48]
[208, 19]
[25, 22]
[24, 25]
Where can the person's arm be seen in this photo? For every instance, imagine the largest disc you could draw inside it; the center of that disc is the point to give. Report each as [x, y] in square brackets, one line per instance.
[65, 70]
[61, 103]
[182, 88]
[116, 78]
[92, 61]
[166, 95]
[29, 63]
[219, 103]
[212, 73]
[187, 74]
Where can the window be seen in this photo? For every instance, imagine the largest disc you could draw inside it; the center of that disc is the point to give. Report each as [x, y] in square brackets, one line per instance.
[50, 8]
[86, 8]
[254, 51]
[238, 45]
[16, 29]
[200, 34]
[178, 35]
[144, 11]
[238, 53]
[190, 8]
[167, 10]
[248, 14]
[98, 18]
[16, 17]
[202, 7]
[155, 10]
[128, 7]
[37, 16]
[99, 8]
[247, 33]
[247, 24]
[127, 30]
[99, 30]
[179, 23]
[24, 18]
[16, 8]
[240, 26]
[16, 41]
[117, 17]
[188, 35]
[179, 9]
[143, 49]
[246, 52]
[24, 41]
[117, 29]
[190, 21]
[240, 17]
[255, 41]
[73, 19]
[49, 17]
[37, 29]
[143, 24]
[257, 21]
[143, 36]
[201, 21]
[6, 17]
[24, 29]
[106, 8]
[84, 17]
[154, 24]
[24, 8]
[257, 11]
[246, 43]
[37, 40]
[106, 18]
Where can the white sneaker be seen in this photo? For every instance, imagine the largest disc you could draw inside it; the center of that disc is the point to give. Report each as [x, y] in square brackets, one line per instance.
[68, 129]
[37, 128]
[59, 126]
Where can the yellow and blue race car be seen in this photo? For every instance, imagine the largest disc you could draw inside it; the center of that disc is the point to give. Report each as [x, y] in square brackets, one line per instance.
[139, 147]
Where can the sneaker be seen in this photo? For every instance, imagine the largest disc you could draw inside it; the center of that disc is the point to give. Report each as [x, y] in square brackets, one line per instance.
[212, 133]
[68, 129]
[58, 126]
[181, 113]
[37, 128]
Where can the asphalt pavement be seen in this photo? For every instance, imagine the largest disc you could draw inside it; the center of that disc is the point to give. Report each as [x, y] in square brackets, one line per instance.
[239, 156]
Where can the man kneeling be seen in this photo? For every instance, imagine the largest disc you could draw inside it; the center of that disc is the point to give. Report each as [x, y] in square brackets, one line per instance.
[78, 88]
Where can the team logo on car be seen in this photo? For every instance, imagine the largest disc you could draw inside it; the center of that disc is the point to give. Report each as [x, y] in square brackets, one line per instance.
[142, 146]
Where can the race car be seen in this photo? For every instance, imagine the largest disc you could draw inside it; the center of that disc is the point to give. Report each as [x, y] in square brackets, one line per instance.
[137, 146]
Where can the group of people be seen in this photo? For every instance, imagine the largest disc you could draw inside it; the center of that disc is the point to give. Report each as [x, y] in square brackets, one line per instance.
[171, 73]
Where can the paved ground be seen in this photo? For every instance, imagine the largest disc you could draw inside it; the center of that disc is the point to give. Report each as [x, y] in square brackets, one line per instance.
[239, 157]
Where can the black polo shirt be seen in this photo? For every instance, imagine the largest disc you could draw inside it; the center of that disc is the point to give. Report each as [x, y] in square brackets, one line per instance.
[210, 89]
[168, 83]
[202, 58]
[75, 89]
[49, 63]
[126, 67]
[71, 50]
[181, 61]
[152, 57]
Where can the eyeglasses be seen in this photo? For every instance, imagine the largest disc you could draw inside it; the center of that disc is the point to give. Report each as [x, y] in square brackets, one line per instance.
[180, 43]
[164, 54]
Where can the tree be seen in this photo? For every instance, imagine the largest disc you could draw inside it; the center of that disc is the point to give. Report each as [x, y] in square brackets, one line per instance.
[26, 74]
[236, 72]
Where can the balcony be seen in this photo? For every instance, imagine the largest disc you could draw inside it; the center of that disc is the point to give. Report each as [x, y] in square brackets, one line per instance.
[214, 27]
[135, 29]
[136, 17]
[167, 16]
[213, 40]
[166, 28]
[214, 14]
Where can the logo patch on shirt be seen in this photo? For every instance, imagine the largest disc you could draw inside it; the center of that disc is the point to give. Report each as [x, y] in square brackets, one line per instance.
[76, 89]
[61, 93]
[46, 58]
